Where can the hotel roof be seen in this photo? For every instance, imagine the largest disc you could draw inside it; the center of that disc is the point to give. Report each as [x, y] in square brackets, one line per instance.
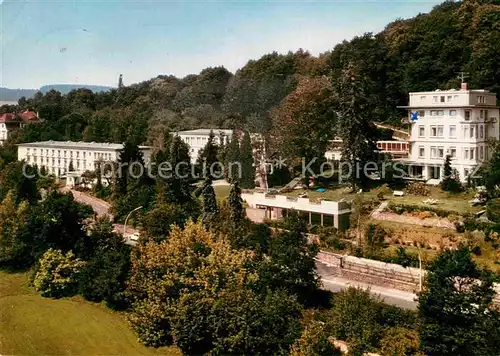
[79, 144]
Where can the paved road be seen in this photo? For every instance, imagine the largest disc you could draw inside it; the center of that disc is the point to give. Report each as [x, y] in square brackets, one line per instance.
[391, 296]
[101, 208]
[335, 284]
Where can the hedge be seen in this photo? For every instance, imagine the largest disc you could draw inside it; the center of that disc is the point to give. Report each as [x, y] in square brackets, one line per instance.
[401, 208]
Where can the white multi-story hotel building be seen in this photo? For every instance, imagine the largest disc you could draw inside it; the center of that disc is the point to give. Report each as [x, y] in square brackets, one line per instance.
[197, 139]
[458, 123]
[56, 156]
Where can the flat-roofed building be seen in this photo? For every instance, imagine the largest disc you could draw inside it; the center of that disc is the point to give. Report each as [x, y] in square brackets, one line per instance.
[322, 213]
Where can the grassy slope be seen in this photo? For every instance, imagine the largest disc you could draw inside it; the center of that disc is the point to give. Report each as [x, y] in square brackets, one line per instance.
[32, 325]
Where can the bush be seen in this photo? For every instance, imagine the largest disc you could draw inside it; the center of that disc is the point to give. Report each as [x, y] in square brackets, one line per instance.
[400, 341]
[493, 210]
[400, 208]
[57, 274]
[417, 188]
[459, 227]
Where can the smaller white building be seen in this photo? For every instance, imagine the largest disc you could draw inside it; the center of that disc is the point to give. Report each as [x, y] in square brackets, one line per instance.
[459, 123]
[56, 156]
[197, 139]
[323, 213]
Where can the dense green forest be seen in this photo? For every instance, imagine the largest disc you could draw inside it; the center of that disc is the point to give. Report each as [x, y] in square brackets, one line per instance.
[422, 53]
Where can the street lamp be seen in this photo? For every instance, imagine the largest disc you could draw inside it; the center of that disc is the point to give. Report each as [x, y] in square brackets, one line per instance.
[125, 226]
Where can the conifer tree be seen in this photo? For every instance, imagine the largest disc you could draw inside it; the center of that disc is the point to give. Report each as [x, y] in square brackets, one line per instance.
[232, 158]
[178, 191]
[209, 157]
[246, 160]
[71, 168]
[356, 126]
[236, 209]
[209, 208]
[450, 182]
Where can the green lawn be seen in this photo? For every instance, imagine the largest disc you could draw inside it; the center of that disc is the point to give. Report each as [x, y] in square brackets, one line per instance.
[454, 202]
[32, 325]
[222, 191]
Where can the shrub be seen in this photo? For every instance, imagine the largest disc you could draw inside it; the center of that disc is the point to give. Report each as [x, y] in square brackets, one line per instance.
[459, 227]
[57, 274]
[417, 188]
[400, 341]
[400, 208]
[493, 210]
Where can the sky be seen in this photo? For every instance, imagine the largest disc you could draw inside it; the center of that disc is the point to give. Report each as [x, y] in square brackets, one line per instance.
[94, 41]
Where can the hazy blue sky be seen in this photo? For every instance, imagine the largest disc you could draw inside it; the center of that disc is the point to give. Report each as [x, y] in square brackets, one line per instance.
[93, 41]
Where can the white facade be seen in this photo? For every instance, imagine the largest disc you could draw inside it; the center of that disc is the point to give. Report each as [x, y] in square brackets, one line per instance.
[3, 133]
[458, 123]
[56, 156]
[197, 139]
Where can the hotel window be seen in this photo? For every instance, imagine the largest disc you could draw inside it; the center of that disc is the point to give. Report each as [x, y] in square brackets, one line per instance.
[440, 152]
[440, 112]
[481, 131]
[442, 99]
[440, 131]
[421, 131]
[421, 113]
[453, 113]
[481, 152]
[471, 131]
[433, 112]
[77, 154]
[433, 152]
[472, 153]
[481, 99]
[481, 114]
[435, 99]
[466, 131]
[449, 98]
[455, 96]
[466, 153]
[486, 114]
[453, 131]
[453, 152]
[467, 115]
[433, 131]
[422, 97]
[421, 152]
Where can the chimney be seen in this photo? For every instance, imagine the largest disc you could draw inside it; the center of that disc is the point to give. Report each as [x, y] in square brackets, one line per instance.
[464, 86]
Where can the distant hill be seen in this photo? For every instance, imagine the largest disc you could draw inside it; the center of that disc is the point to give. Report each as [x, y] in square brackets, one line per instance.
[11, 95]
[66, 88]
[7, 94]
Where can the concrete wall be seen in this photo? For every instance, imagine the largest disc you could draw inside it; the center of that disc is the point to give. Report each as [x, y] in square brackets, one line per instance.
[377, 273]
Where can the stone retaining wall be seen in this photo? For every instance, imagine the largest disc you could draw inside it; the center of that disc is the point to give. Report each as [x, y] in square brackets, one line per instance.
[377, 273]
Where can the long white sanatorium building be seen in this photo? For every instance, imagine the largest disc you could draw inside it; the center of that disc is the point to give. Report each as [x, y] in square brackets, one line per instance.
[56, 156]
[458, 123]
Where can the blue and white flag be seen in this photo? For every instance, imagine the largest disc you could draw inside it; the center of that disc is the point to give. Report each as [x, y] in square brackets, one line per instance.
[414, 116]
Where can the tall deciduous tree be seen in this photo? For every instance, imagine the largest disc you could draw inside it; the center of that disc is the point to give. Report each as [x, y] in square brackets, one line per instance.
[355, 126]
[12, 218]
[304, 123]
[456, 308]
[247, 163]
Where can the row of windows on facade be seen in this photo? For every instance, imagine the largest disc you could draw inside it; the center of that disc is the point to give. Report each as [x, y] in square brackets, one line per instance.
[448, 98]
[470, 153]
[199, 140]
[65, 161]
[483, 114]
[471, 131]
[97, 155]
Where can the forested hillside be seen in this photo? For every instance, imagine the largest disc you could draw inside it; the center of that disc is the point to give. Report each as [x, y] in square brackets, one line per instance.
[422, 53]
